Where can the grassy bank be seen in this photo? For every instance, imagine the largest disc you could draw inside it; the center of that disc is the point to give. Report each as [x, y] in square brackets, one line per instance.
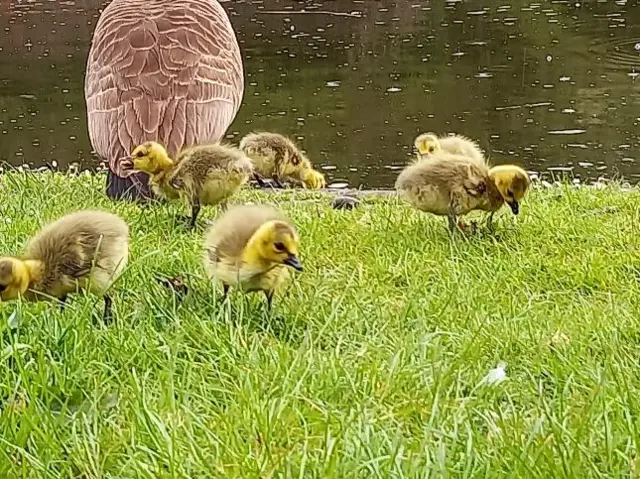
[373, 368]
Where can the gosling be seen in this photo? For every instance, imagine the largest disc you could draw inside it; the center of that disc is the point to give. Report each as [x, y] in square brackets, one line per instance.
[453, 185]
[87, 250]
[251, 247]
[276, 156]
[202, 174]
[428, 144]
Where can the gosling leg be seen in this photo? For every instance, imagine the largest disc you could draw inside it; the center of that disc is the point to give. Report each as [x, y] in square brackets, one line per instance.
[490, 221]
[269, 296]
[453, 223]
[454, 210]
[225, 292]
[63, 302]
[261, 183]
[277, 182]
[195, 211]
[107, 317]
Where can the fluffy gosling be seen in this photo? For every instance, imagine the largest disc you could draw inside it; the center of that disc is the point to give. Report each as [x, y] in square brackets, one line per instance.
[202, 174]
[251, 247]
[453, 185]
[429, 144]
[83, 250]
[276, 156]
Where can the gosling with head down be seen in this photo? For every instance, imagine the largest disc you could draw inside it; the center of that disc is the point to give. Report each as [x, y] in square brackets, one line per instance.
[84, 250]
[510, 184]
[251, 247]
[428, 144]
[202, 174]
[453, 185]
[276, 156]
[312, 179]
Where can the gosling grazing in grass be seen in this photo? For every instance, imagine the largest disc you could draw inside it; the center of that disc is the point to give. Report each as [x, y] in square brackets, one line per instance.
[251, 247]
[429, 144]
[312, 179]
[83, 250]
[202, 174]
[453, 185]
[276, 156]
[511, 183]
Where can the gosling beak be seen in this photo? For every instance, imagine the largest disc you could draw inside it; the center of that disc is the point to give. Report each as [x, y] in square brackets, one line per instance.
[294, 262]
[126, 163]
[515, 207]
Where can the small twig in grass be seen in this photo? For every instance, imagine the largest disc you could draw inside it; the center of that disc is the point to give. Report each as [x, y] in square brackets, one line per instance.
[175, 283]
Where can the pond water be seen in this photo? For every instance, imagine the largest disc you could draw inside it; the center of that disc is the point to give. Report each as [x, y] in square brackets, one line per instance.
[550, 85]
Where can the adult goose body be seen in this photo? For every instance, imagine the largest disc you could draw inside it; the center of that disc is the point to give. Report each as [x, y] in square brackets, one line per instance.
[159, 70]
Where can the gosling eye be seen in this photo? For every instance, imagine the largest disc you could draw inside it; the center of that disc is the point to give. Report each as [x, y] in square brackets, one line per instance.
[140, 154]
[279, 246]
[510, 193]
[431, 150]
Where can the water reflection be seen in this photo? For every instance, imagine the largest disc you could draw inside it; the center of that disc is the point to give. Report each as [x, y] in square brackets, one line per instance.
[549, 85]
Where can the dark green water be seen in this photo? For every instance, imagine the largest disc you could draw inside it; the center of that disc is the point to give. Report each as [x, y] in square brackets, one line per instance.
[551, 85]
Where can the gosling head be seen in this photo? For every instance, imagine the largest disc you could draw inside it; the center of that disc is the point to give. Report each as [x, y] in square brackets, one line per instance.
[276, 242]
[512, 183]
[313, 180]
[14, 278]
[427, 144]
[150, 157]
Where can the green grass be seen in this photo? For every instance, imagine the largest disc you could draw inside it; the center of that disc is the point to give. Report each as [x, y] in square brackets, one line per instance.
[372, 367]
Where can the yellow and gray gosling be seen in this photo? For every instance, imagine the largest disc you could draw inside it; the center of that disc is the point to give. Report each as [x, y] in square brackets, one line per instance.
[454, 185]
[201, 174]
[251, 247]
[428, 144]
[278, 157]
[83, 250]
